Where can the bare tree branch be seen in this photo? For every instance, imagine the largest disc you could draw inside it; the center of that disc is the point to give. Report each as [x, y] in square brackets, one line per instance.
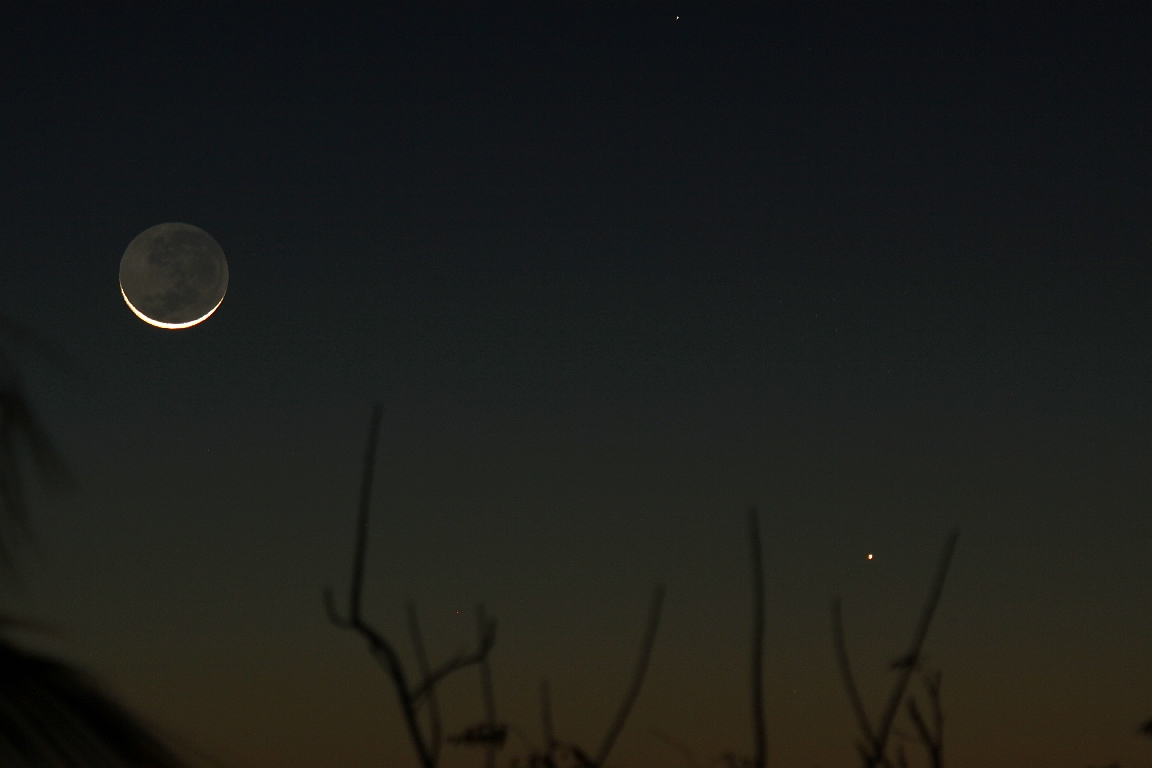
[847, 678]
[488, 733]
[427, 749]
[486, 687]
[425, 672]
[368, 473]
[459, 661]
[380, 648]
[637, 676]
[386, 656]
[933, 741]
[910, 661]
[330, 610]
[876, 751]
[932, 682]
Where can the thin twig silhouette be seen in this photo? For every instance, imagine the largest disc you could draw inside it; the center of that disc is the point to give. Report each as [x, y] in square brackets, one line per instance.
[637, 676]
[488, 733]
[848, 680]
[489, 695]
[427, 747]
[759, 757]
[554, 747]
[873, 750]
[931, 737]
[425, 671]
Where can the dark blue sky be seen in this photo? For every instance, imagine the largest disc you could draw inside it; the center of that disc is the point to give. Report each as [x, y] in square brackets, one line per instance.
[614, 276]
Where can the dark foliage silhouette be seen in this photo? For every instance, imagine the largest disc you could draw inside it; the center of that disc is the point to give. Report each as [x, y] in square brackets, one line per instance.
[19, 428]
[51, 714]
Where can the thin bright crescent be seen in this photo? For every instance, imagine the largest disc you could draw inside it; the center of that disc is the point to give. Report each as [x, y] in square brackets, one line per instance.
[170, 326]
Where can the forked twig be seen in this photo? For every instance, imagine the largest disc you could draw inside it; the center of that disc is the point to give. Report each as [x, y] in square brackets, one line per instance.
[931, 738]
[459, 661]
[874, 749]
[425, 671]
[427, 749]
[909, 663]
[552, 745]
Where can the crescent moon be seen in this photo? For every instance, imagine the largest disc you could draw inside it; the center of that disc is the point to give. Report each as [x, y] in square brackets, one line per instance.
[173, 276]
[169, 326]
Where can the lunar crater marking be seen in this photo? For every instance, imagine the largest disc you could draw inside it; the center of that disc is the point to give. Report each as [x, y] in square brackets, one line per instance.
[173, 275]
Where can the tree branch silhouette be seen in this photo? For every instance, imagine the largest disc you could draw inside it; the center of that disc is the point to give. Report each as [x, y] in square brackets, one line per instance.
[931, 737]
[873, 750]
[546, 757]
[427, 747]
[489, 695]
[849, 680]
[425, 671]
[488, 733]
[637, 676]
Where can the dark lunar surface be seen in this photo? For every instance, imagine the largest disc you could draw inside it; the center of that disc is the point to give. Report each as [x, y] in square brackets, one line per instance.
[174, 273]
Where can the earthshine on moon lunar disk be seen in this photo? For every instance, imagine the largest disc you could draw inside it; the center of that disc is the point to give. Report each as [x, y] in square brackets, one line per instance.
[173, 275]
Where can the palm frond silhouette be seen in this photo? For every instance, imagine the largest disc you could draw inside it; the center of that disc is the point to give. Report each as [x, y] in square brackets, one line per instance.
[19, 427]
[51, 713]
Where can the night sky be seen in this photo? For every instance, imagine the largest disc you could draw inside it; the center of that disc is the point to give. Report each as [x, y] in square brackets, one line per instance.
[613, 276]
